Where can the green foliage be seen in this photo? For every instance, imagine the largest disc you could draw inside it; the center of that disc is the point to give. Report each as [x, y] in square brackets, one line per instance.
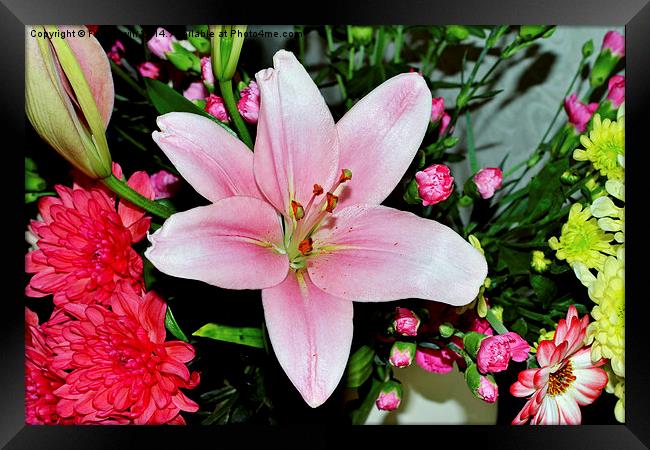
[252, 337]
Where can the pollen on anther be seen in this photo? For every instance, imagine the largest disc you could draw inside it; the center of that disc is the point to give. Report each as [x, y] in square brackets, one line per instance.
[346, 175]
[298, 211]
[332, 200]
[305, 246]
[318, 189]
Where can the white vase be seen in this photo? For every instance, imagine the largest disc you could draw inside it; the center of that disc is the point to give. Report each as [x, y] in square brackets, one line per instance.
[432, 399]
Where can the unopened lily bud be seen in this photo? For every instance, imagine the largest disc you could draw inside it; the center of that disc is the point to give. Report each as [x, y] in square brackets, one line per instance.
[69, 95]
[390, 396]
[227, 42]
[406, 322]
[612, 51]
[402, 354]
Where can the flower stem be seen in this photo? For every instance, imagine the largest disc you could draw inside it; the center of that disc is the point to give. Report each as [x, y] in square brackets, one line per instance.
[130, 81]
[231, 106]
[471, 148]
[330, 48]
[125, 192]
[399, 39]
[495, 322]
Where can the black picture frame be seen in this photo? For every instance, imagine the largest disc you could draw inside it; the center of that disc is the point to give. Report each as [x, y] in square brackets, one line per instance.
[633, 14]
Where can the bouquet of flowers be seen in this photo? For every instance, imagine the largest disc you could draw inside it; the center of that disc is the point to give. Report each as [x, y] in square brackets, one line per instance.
[224, 242]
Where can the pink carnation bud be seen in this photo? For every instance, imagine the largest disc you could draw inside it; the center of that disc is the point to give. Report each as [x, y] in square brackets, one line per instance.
[616, 87]
[487, 390]
[165, 184]
[615, 42]
[390, 396]
[438, 109]
[435, 184]
[249, 103]
[402, 354]
[215, 106]
[495, 352]
[435, 360]
[161, 43]
[196, 91]
[149, 70]
[444, 123]
[206, 71]
[406, 322]
[488, 180]
[117, 50]
[579, 113]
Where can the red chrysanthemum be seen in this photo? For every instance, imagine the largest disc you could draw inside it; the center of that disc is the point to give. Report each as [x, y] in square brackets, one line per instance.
[119, 366]
[84, 243]
[41, 380]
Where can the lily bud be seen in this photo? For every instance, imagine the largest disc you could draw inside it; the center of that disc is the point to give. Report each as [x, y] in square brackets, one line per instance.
[390, 396]
[69, 95]
[402, 354]
[227, 42]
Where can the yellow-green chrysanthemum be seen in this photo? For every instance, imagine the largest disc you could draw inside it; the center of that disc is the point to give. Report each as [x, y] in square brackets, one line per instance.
[607, 331]
[610, 217]
[604, 146]
[582, 240]
[539, 261]
[543, 336]
[616, 386]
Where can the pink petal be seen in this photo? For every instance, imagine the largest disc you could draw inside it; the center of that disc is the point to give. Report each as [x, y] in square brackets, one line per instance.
[296, 145]
[128, 212]
[96, 68]
[215, 163]
[519, 390]
[545, 350]
[229, 244]
[311, 333]
[377, 253]
[179, 351]
[380, 135]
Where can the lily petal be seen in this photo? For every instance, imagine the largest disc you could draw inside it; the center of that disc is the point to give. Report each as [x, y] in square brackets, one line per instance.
[311, 334]
[230, 244]
[373, 253]
[216, 164]
[380, 135]
[296, 145]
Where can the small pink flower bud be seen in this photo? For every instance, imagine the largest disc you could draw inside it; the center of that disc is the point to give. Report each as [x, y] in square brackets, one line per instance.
[616, 87]
[402, 354]
[117, 50]
[161, 43]
[579, 113]
[444, 123]
[437, 109]
[206, 72]
[390, 396]
[435, 184]
[495, 352]
[149, 70]
[487, 391]
[406, 322]
[196, 91]
[488, 180]
[215, 106]
[165, 184]
[435, 361]
[249, 103]
[615, 42]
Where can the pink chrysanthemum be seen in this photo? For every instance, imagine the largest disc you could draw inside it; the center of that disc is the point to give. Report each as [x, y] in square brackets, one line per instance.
[565, 380]
[120, 368]
[41, 380]
[84, 243]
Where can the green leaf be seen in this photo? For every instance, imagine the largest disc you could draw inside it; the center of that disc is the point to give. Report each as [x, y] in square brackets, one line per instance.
[359, 367]
[544, 288]
[218, 395]
[472, 342]
[515, 261]
[166, 99]
[252, 337]
[172, 326]
[520, 327]
[486, 95]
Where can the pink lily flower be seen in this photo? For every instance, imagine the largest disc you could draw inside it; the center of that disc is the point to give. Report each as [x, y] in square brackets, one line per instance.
[283, 221]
